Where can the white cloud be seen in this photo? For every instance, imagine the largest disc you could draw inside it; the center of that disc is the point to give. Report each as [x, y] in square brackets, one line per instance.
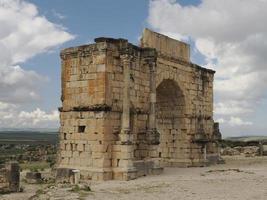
[24, 33]
[37, 117]
[232, 36]
[232, 108]
[236, 121]
[58, 15]
[18, 85]
[12, 116]
[220, 120]
[6, 106]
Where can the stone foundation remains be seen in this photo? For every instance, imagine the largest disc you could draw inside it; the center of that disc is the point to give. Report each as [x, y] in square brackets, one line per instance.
[33, 177]
[128, 111]
[67, 175]
[9, 177]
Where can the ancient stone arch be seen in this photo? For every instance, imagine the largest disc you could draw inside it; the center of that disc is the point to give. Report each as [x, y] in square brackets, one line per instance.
[129, 110]
[170, 117]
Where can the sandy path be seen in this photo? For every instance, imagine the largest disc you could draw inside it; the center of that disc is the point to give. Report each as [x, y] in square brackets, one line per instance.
[239, 179]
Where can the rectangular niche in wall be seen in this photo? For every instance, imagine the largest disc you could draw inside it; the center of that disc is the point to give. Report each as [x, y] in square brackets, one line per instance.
[81, 129]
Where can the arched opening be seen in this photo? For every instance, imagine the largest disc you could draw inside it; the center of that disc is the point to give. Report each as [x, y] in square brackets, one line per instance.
[170, 109]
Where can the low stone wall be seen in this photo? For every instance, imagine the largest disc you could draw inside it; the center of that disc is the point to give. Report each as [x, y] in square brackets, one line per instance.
[65, 175]
[9, 177]
[248, 151]
[33, 177]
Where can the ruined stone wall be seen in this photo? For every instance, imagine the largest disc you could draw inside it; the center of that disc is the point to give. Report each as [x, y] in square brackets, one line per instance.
[94, 82]
[166, 45]
[84, 104]
[188, 111]
[84, 77]
[130, 88]
[127, 110]
[185, 93]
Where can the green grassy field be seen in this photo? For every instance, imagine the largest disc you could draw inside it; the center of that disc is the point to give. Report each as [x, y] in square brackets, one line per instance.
[35, 166]
[28, 137]
[12, 147]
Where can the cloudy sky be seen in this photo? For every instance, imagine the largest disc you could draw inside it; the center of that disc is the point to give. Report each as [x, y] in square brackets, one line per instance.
[229, 36]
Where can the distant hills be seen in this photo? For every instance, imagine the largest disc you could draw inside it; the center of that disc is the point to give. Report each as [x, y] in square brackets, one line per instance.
[50, 135]
[41, 130]
[247, 138]
[18, 136]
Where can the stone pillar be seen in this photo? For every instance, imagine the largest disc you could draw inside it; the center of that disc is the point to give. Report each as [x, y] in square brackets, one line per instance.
[260, 148]
[75, 179]
[205, 152]
[14, 176]
[153, 134]
[127, 170]
[152, 113]
[125, 121]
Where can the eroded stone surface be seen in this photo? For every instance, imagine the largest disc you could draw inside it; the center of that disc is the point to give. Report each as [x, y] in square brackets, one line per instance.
[127, 111]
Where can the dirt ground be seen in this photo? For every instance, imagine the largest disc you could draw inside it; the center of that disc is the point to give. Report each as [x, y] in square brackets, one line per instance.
[239, 179]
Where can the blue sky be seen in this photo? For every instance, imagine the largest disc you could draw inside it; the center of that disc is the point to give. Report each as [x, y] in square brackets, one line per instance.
[86, 20]
[215, 30]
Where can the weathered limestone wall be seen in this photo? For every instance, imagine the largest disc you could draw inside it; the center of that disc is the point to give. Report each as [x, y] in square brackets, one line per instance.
[129, 86]
[104, 117]
[184, 103]
[83, 142]
[84, 77]
[188, 111]
[166, 45]
[127, 110]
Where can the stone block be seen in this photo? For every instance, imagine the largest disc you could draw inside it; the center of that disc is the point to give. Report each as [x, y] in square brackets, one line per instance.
[33, 177]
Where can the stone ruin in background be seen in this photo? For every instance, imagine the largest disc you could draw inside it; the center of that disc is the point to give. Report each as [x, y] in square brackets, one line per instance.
[9, 177]
[128, 111]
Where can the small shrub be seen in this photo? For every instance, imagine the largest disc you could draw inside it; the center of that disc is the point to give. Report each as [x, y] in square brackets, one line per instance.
[85, 188]
[21, 189]
[76, 188]
[39, 192]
